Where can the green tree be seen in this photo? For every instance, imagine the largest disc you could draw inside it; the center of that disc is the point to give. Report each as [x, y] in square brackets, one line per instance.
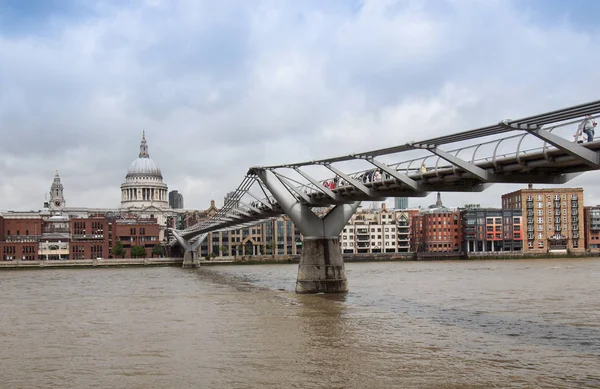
[269, 248]
[118, 250]
[158, 250]
[138, 252]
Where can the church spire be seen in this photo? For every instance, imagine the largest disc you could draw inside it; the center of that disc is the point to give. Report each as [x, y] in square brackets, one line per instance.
[438, 203]
[144, 147]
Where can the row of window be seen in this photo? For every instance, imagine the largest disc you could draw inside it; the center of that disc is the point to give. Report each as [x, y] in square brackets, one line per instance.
[351, 244]
[549, 204]
[549, 197]
[13, 249]
[366, 230]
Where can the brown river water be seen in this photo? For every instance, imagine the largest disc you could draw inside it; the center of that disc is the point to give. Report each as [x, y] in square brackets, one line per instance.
[452, 324]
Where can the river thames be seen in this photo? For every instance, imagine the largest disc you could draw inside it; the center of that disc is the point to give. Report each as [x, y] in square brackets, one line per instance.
[452, 324]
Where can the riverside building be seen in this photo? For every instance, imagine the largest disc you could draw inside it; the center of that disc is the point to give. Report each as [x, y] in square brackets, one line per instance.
[488, 230]
[552, 218]
[437, 229]
[591, 217]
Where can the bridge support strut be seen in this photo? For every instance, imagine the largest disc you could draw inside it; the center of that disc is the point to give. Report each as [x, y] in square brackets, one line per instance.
[321, 268]
[190, 255]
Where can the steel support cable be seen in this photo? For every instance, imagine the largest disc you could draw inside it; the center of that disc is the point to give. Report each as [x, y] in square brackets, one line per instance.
[238, 193]
[295, 192]
[298, 182]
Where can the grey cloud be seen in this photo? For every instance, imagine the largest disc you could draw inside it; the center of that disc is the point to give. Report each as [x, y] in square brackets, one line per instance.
[222, 86]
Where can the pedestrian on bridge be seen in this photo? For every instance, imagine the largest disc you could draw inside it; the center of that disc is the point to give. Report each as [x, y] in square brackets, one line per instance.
[588, 127]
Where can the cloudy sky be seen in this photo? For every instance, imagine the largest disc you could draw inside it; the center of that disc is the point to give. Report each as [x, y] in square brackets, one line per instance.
[219, 86]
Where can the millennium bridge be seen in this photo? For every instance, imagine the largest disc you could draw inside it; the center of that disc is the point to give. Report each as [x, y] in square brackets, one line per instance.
[539, 149]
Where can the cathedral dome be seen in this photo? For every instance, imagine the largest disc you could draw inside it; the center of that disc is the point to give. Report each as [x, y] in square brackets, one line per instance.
[143, 166]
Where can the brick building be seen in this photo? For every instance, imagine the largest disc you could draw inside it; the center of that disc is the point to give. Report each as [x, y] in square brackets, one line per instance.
[89, 238]
[553, 218]
[591, 217]
[135, 232]
[19, 236]
[437, 229]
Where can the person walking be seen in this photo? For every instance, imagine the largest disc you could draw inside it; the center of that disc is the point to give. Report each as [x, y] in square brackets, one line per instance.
[589, 127]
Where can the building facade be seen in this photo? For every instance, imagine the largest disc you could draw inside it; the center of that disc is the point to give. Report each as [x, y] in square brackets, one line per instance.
[377, 231]
[591, 217]
[553, 218]
[401, 202]
[20, 235]
[175, 200]
[436, 229]
[491, 230]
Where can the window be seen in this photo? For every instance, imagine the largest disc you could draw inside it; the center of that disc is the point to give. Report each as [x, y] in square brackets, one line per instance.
[540, 227]
[540, 220]
[540, 205]
[540, 236]
[539, 198]
[541, 245]
[540, 212]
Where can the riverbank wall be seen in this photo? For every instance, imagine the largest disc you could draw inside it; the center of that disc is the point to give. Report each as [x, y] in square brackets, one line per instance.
[99, 263]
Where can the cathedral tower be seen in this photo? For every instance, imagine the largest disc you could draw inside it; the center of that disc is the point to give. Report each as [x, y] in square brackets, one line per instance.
[57, 198]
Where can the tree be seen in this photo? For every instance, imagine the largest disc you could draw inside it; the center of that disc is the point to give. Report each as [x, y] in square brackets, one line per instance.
[158, 250]
[225, 250]
[118, 250]
[138, 252]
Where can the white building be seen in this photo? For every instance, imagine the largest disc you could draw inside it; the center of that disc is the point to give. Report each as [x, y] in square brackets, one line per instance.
[144, 186]
[377, 231]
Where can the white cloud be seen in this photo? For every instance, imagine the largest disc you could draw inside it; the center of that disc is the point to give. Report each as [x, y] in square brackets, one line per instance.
[219, 87]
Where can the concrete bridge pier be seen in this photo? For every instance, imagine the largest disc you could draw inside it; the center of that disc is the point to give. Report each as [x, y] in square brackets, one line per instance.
[190, 255]
[321, 268]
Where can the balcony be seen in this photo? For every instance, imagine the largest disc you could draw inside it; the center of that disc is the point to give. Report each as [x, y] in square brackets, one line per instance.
[22, 238]
[87, 237]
